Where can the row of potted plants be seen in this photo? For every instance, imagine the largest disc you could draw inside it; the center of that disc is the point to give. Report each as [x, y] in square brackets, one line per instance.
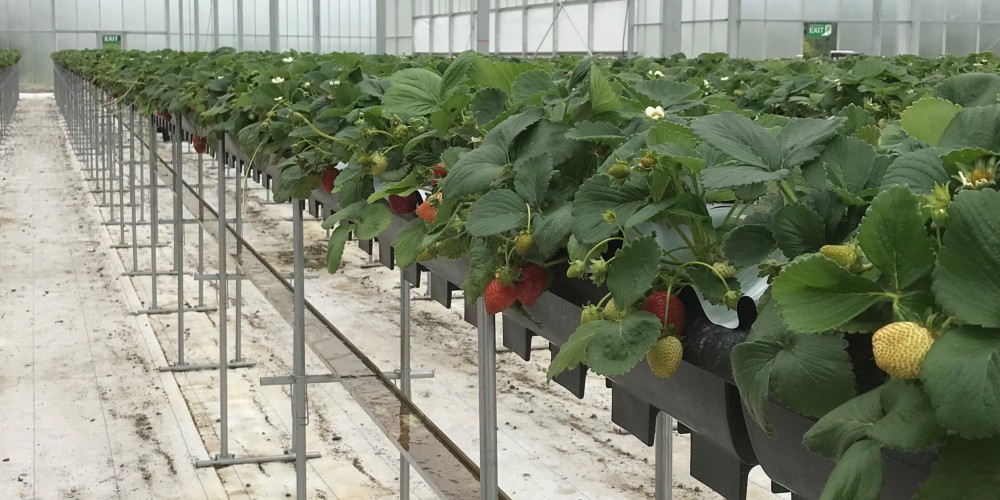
[835, 218]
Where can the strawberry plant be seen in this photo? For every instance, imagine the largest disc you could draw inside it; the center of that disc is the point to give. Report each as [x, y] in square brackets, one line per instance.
[863, 189]
[9, 58]
[918, 272]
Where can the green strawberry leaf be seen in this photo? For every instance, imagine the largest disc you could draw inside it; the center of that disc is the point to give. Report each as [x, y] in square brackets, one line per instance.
[632, 271]
[414, 91]
[858, 475]
[966, 470]
[482, 266]
[532, 176]
[497, 212]
[603, 97]
[895, 240]
[961, 374]
[974, 128]
[597, 196]
[816, 294]
[971, 89]
[798, 230]
[909, 422]
[616, 347]
[596, 132]
[965, 280]
[804, 139]
[335, 247]
[748, 245]
[845, 425]
[740, 138]
[721, 178]
[810, 373]
[919, 170]
[928, 118]
[574, 351]
[406, 244]
[372, 220]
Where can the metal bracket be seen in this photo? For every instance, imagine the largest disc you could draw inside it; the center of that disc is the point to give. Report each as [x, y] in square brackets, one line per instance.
[174, 311]
[194, 368]
[227, 460]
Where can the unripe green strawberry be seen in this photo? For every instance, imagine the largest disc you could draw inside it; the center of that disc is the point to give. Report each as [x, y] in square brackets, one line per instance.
[576, 269]
[379, 163]
[845, 255]
[619, 170]
[647, 162]
[724, 269]
[665, 357]
[900, 348]
[615, 313]
[590, 313]
[524, 243]
[731, 299]
[428, 253]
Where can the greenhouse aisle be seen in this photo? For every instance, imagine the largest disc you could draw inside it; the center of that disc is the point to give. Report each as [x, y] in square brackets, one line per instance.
[85, 413]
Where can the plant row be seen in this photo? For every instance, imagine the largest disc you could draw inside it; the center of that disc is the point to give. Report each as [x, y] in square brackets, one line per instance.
[853, 201]
[9, 58]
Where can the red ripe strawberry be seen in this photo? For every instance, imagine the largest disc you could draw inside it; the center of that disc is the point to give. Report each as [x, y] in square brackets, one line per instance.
[657, 304]
[440, 171]
[200, 144]
[534, 279]
[402, 205]
[329, 177]
[499, 297]
[428, 210]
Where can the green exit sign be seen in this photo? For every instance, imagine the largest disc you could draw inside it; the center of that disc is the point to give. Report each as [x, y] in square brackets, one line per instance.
[819, 30]
[113, 42]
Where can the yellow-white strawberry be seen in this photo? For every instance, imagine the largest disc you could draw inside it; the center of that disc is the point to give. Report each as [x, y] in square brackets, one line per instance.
[665, 357]
[845, 255]
[900, 348]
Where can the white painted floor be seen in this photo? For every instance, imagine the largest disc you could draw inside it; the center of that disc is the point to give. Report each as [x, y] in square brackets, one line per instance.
[83, 412]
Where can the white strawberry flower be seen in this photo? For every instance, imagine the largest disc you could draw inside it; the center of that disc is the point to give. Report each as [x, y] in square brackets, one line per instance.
[279, 99]
[334, 82]
[655, 113]
[276, 80]
[476, 139]
[288, 59]
[725, 78]
[307, 85]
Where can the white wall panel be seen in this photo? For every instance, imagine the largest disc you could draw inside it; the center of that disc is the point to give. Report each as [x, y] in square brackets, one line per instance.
[572, 26]
[609, 35]
[539, 35]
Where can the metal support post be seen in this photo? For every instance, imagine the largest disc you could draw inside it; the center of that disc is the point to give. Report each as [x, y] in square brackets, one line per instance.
[274, 19]
[664, 457]
[483, 26]
[120, 141]
[239, 258]
[223, 307]
[179, 240]
[488, 478]
[201, 229]
[132, 186]
[404, 372]
[317, 27]
[300, 416]
[154, 215]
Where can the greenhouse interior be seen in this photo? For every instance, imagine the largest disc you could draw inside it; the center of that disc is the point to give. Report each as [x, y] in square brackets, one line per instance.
[500, 249]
